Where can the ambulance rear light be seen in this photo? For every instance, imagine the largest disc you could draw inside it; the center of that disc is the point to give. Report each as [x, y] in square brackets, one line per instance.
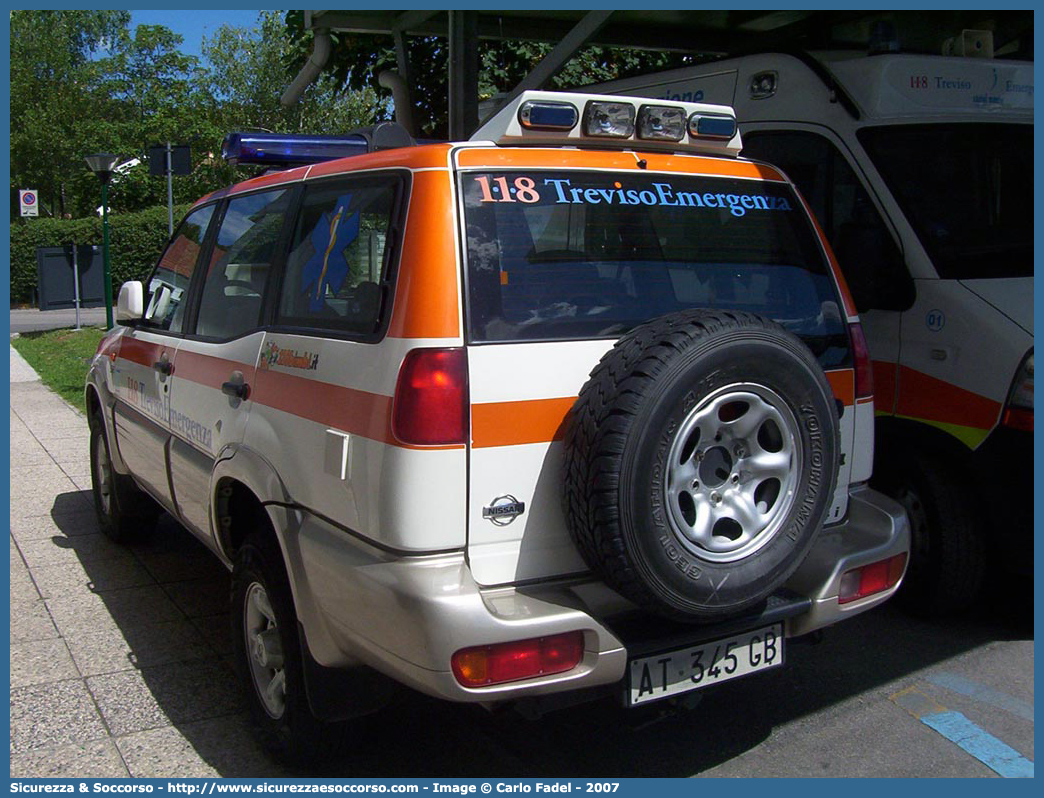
[864, 369]
[430, 407]
[1018, 414]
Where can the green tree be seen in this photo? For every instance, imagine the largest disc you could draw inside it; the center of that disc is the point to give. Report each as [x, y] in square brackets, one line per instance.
[250, 69]
[59, 109]
[159, 95]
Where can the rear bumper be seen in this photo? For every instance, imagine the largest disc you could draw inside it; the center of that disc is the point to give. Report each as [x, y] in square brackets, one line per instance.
[406, 616]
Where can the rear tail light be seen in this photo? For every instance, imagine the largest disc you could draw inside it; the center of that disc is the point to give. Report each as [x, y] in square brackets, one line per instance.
[864, 372]
[870, 579]
[1019, 411]
[520, 659]
[430, 407]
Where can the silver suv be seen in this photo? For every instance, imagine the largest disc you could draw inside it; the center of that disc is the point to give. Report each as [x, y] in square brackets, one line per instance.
[579, 403]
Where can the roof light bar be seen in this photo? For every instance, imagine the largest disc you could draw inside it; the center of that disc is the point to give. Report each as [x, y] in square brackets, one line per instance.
[271, 149]
[550, 118]
[278, 150]
[661, 122]
[609, 119]
[712, 126]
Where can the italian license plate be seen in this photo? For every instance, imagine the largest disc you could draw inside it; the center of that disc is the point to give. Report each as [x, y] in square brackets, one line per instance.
[674, 672]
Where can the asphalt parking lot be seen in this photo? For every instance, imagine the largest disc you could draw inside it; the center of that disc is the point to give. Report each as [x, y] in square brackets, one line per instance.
[120, 666]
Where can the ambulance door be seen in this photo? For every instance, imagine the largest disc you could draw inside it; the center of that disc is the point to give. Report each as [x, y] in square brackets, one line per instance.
[215, 365]
[142, 371]
[865, 243]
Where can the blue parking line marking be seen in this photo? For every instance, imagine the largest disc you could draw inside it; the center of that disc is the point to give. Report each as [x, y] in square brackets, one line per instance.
[995, 754]
[979, 692]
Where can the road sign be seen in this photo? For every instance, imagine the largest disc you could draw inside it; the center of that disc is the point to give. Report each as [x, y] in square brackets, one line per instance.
[180, 159]
[29, 202]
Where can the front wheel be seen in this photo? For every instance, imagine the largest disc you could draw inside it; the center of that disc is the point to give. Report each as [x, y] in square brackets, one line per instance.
[123, 509]
[267, 652]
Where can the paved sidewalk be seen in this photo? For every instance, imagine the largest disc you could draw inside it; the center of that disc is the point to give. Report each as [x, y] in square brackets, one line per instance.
[119, 654]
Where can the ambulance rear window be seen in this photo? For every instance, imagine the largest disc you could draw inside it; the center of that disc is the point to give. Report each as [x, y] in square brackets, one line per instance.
[569, 255]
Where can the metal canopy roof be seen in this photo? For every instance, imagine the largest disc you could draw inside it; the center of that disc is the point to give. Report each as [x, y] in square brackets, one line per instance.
[704, 34]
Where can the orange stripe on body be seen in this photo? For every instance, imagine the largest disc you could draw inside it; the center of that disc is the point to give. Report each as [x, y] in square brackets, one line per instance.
[346, 409]
[925, 397]
[884, 386]
[206, 369]
[422, 157]
[426, 301]
[515, 423]
[144, 353]
[544, 420]
[842, 383]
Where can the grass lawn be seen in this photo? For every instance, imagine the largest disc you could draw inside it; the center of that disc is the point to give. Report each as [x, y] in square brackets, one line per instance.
[61, 358]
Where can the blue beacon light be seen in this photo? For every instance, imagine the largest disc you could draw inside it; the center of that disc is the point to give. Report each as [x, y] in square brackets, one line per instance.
[275, 150]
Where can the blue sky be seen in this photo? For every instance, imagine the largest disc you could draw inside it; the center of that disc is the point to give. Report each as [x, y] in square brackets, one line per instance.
[194, 24]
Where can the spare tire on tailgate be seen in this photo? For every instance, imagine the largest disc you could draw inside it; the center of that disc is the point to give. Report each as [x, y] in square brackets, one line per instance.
[701, 460]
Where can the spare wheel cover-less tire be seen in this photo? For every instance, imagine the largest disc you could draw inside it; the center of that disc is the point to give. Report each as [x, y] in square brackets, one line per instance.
[701, 461]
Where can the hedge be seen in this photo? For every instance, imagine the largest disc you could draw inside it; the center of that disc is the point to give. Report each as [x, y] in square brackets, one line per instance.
[135, 243]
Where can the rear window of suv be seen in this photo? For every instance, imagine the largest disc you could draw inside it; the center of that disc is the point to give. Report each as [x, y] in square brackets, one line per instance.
[582, 254]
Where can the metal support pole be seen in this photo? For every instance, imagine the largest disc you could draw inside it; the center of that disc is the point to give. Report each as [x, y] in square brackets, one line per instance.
[463, 74]
[76, 284]
[105, 256]
[170, 193]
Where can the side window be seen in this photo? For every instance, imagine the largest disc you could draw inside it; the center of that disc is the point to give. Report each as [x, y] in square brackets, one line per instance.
[168, 286]
[336, 267]
[234, 285]
[869, 257]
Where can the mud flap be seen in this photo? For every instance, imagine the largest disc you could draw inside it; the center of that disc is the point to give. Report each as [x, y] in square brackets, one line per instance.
[336, 694]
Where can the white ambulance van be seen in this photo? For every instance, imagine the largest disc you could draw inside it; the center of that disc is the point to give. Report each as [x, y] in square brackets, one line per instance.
[579, 403]
[920, 171]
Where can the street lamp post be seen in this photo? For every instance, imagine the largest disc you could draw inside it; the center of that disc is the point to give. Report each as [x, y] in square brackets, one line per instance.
[102, 165]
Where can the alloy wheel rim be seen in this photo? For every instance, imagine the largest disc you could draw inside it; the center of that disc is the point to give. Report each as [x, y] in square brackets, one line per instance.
[732, 472]
[103, 473]
[264, 650]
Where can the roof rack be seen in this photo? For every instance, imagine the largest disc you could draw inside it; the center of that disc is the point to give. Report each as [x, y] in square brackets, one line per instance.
[276, 150]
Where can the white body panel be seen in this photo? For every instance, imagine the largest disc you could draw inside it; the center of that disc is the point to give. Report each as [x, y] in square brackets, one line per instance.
[536, 544]
[315, 428]
[203, 419]
[952, 335]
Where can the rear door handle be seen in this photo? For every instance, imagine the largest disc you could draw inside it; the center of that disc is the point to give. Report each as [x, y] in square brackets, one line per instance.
[236, 387]
[164, 367]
